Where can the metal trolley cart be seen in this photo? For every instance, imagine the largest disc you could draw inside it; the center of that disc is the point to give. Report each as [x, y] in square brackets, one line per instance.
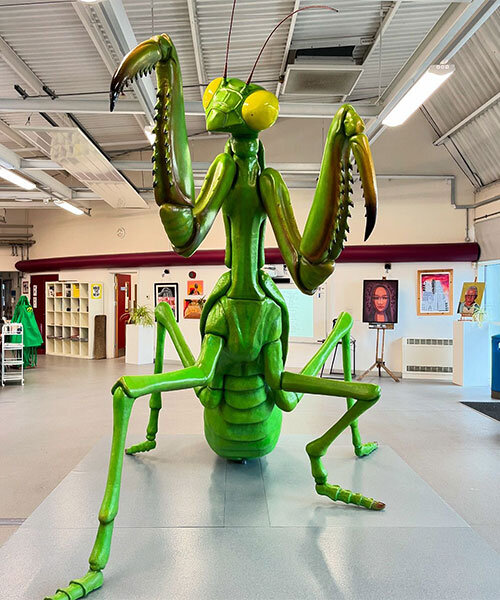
[12, 354]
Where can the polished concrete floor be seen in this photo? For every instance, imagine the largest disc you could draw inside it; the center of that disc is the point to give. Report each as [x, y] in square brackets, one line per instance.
[63, 411]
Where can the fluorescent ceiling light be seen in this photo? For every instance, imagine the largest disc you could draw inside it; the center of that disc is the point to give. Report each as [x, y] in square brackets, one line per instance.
[418, 94]
[69, 207]
[89, 1]
[148, 130]
[16, 179]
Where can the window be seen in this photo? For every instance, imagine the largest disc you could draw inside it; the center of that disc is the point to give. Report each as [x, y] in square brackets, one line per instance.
[491, 302]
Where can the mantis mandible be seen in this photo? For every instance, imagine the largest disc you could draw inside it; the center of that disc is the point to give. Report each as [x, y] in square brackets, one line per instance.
[239, 375]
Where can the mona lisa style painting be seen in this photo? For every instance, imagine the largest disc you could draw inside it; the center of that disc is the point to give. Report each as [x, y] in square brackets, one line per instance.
[380, 301]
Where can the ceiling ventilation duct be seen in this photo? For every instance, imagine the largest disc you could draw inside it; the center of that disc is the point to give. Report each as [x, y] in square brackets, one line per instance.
[329, 73]
[75, 153]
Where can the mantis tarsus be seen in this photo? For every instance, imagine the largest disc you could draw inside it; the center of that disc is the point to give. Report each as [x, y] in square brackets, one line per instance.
[239, 375]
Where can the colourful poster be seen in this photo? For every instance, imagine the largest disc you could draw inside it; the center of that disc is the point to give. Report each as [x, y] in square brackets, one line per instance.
[435, 292]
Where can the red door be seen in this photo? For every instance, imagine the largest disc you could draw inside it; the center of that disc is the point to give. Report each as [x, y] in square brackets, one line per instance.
[38, 302]
[122, 302]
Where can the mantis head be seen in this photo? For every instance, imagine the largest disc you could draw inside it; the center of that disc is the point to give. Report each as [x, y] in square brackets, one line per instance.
[238, 108]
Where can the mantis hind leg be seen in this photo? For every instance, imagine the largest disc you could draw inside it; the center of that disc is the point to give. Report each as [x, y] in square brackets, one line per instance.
[359, 448]
[361, 397]
[165, 323]
[125, 391]
[79, 588]
[287, 401]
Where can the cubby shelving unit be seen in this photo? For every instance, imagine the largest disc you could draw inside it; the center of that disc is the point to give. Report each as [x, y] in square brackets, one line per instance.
[70, 311]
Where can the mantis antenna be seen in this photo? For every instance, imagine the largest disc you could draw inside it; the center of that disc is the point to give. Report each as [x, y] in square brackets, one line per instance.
[229, 39]
[272, 32]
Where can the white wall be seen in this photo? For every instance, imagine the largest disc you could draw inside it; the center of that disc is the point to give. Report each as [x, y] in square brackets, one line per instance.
[346, 288]
[344, 293]
[12, 217]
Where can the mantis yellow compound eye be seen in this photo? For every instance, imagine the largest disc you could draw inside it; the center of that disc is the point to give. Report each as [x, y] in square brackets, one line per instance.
[260, 110]
[210, 90]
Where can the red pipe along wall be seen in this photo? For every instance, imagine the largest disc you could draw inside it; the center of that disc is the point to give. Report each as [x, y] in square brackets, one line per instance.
[457, 252]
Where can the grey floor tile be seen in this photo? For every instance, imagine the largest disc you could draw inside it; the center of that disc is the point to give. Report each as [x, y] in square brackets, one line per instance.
[260, 564]
[6, 533]
[64, 409]
[183, 484]
[491, 533]
[383, 475]
[246, 504]
[179, 484]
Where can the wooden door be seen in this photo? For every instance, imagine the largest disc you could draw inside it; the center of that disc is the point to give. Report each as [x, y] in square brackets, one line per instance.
[37, 288]
[122, 302]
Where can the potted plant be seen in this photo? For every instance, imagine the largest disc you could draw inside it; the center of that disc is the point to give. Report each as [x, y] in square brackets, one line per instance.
[139, 340]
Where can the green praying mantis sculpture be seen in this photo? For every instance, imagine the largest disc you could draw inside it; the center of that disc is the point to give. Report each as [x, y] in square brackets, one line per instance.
[239, 375]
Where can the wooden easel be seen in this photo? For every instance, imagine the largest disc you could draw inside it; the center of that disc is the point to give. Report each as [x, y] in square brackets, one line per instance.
[379, 352]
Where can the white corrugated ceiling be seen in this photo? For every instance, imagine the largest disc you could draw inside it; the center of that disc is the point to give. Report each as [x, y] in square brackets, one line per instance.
[411, 23]
[475, 81]
[52, 40]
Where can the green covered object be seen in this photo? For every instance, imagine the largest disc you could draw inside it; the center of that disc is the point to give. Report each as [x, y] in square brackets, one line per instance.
[32, 338]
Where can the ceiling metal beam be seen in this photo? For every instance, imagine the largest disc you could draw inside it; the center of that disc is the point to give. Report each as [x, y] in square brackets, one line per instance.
[458, 23]
[490, 192]
[331, 42]
[198, 50]
[13, 205]
[29, 79]
[21, 68]
[454, 152]
[468, 118]
[387, 20]
[12, 192]
[288, 43]
[192, 108]
[14, 161]
[200, 168]
[7, 131]
[47, 105]
[9, 159]
[117, 27]
[86, 14]
[53, 185]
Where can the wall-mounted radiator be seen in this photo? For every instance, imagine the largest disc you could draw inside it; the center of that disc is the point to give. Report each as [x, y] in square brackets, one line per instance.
[427, 358]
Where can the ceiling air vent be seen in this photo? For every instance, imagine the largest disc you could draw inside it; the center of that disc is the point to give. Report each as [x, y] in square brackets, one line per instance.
[334, 81]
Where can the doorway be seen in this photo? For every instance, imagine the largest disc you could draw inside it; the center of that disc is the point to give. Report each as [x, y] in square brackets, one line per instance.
[37, 289]
[123, 295]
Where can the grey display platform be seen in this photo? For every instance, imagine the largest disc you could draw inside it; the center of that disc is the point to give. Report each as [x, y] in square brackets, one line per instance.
[192, 525]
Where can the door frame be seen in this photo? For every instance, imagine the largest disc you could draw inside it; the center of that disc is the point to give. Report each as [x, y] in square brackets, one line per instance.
[115, 305]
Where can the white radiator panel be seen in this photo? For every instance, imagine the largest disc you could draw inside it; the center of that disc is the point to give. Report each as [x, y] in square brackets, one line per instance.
[427, 358]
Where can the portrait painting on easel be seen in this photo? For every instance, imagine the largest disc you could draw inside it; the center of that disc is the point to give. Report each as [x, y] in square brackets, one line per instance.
[380, 301]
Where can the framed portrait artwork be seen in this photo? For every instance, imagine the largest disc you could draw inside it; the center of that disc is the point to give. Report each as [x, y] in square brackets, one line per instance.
[193, 307]
[168, 292]
[435, 292]
[470, 298]
[195, 287]
[380, 301]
